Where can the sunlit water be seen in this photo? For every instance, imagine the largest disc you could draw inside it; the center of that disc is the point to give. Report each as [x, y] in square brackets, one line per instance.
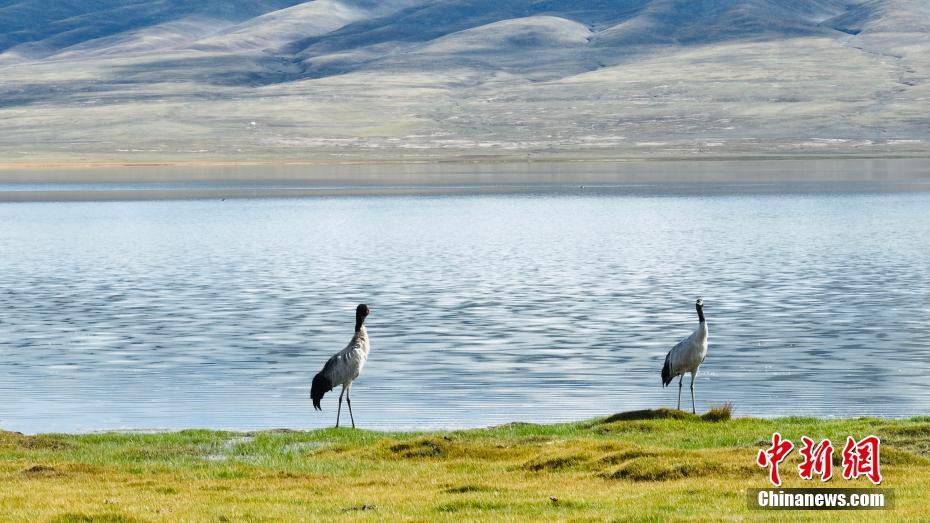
[487, 308]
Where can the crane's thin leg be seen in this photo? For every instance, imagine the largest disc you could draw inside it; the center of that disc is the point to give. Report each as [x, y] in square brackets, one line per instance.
[349, 401]
[693, 410]
[680, 378]
[339, 410]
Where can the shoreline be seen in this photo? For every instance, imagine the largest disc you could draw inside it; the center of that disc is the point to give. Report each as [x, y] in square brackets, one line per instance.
[51, 164]
[210, 180]
[635, 190]
[633, 415]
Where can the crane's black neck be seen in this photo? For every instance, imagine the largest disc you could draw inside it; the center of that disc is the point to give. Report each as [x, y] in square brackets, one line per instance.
[700, 311]
[359, 320]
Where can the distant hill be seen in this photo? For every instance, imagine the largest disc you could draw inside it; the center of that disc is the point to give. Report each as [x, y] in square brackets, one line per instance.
[401, 79]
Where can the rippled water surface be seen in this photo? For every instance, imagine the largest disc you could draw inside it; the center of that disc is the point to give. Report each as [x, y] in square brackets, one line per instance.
[487, 308]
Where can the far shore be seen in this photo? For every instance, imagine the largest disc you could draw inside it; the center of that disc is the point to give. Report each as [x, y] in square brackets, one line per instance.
[175, 180]
[466, 159]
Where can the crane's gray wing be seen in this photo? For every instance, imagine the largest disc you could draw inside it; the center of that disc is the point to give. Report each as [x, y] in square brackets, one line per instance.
[344, 365]
[678, 357]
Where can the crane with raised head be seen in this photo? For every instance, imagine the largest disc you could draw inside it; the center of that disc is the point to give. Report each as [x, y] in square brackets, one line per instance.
[687, 356]
[344, 367]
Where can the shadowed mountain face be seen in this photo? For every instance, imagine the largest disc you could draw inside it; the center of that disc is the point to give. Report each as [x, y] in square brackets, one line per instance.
[884, 16]
[520, 76]
[45, 26]
[641, 20]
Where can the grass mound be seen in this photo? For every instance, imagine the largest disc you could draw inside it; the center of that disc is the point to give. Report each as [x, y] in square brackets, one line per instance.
[40, 470]
[423, 448]
[557, 462]
[719, 413]
[649, 414]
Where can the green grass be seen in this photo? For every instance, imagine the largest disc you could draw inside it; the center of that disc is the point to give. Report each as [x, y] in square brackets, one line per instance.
[655, 465]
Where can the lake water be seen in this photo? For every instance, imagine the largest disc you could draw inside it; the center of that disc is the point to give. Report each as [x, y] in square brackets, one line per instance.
[557, 304]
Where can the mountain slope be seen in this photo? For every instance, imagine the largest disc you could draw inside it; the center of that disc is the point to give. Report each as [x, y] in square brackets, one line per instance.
[884, 16]
[38, 28]
[305, 20]
[428, 79]
[400, 39]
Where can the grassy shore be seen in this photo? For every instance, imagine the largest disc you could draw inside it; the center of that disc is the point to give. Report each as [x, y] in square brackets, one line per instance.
[650, 465]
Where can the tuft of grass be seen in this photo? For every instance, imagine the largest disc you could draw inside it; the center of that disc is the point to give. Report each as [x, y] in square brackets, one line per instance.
[423, 448]
[465, 489]
[471, 506]
[916, 430]
[894, 456]
[39, 470]
[719, 413]
[77, 517]
[557, 463]
[39, 442]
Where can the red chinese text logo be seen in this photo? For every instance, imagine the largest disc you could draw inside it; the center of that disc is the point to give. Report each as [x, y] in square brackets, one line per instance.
[860, 458]
[773, 456]
[817, 460]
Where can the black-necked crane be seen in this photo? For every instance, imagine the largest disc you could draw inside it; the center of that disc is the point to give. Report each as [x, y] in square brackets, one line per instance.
[687, 356]
[344, 367]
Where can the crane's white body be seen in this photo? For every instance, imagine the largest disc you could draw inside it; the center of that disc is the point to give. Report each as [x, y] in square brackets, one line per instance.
[687, 356]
